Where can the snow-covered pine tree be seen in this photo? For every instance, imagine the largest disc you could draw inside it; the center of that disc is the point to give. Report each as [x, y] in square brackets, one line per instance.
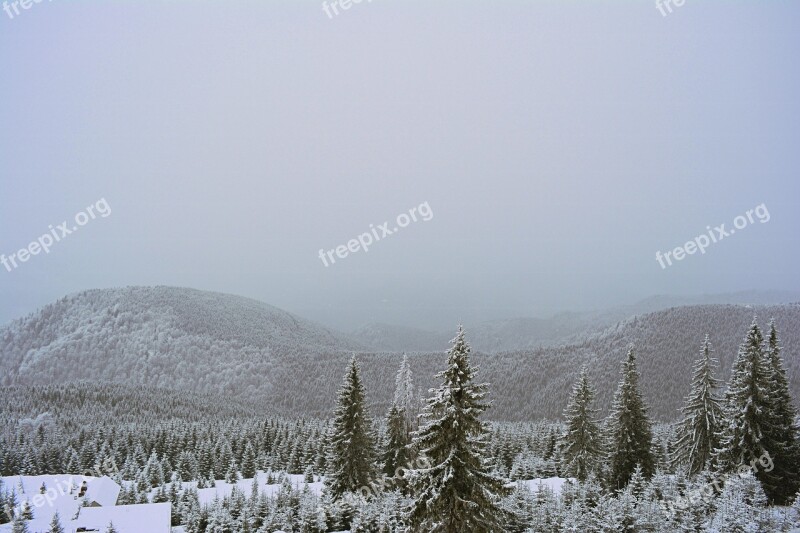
[629, 428]
[746, 407]
[19, 525]
[111, 528]
[404, 393]
[55, 524]
[397, 454]
[742, 507]
[248, 462]
[697, 435]
[782, 482]
[352, 452]
[457, 493]
[581, 446]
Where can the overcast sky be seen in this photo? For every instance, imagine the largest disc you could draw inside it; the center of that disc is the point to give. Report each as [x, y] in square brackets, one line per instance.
[558, 144]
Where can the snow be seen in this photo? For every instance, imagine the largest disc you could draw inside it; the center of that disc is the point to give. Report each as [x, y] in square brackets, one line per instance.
[62, 496]
[552, 483]
[152, 518]
[222, 489]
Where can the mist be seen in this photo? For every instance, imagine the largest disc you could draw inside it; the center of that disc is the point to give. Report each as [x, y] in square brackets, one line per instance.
[557, 146]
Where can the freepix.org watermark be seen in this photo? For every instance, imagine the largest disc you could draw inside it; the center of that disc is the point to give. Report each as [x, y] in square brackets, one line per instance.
[365, 240]
[665, 6]
[344, 4]
[12, 9]
[703, 241]
[56, 234]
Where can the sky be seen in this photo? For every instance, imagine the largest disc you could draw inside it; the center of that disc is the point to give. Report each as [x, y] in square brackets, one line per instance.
[554, 146]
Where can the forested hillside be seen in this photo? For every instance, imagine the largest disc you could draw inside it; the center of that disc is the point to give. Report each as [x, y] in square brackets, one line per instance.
[209, 343]
[532, 333]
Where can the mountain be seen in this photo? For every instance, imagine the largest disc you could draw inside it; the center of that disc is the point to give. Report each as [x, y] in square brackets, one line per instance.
[160, 336]
[238, 349]
[391, 338]
[564, 328]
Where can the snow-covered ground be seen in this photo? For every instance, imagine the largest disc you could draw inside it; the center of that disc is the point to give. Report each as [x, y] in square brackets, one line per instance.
[222, 489]
[552, 483]
[82, 503]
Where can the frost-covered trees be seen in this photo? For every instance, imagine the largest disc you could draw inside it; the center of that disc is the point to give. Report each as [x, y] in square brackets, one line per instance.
[783, 481]
[746, 406]
[697, 435]
[55, 524]
[398, 422]
[629, 428]
[458, 492]
[581, 447]
[19, 525]
[352, 455]
[741, 507]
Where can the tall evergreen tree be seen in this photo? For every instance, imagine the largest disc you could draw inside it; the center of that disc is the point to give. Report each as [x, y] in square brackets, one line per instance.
[398, 425]
[697, 435]
[581, 446]
[352, 453]
[457, 493]
[629, 428]
[396, 454]
[746, 407]
[55, 524]
[783, 481]
[248, 462]
[404, 393]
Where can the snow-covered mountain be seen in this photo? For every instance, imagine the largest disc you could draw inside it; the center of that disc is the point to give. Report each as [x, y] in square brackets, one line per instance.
[233, 347]
[161, 336]
[529, 333]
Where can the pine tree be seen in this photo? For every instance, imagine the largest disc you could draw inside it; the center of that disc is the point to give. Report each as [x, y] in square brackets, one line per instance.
[27, 511]
[629, 428]
[404, 393]
[111, 528]
[19, 525]
[248, 462]
[457, 493]
[396, 455]
[581, 446]
[352, 440]
[780, 439]
[55, 524]
[746, 407]
[697, 435]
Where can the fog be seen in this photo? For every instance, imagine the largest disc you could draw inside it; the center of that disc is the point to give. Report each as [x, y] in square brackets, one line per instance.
[556, 147]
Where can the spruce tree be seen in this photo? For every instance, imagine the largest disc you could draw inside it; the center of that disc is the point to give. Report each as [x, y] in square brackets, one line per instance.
[697, 435]
[780, 439]
[352, 453]
[55, 524]
[19, 525]
[629, 428]
[399, 427]
[581, 446]
[396, 455]
[248, 462]
[457, 493]
[404, 393]
[746, 407]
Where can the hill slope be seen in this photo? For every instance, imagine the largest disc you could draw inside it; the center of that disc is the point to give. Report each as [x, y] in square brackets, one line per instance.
[159, 336]
[238, 348]
[531, 333]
